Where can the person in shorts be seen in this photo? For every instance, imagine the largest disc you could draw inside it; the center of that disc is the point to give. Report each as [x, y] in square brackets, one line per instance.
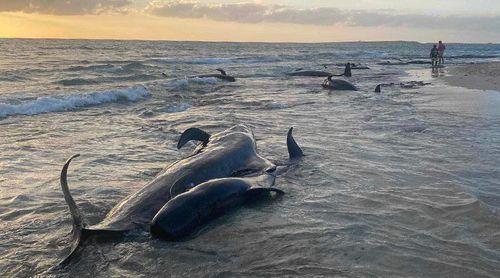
[441, 48]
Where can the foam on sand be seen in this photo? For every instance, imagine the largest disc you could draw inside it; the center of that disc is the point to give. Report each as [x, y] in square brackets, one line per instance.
[68, 103]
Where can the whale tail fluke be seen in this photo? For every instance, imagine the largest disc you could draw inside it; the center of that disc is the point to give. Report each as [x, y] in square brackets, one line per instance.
[294, 151]
[79, 232]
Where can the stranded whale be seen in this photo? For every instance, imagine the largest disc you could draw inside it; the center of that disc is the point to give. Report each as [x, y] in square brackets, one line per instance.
[230, 153]
[223, 76]
[338, 84]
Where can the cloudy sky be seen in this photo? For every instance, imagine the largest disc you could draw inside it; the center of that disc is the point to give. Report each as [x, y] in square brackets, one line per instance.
[246, 20]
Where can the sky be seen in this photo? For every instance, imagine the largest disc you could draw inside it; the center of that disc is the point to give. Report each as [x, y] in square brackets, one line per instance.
[247, 20]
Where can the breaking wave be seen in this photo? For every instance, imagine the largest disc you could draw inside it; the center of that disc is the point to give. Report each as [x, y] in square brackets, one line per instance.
[67, 103]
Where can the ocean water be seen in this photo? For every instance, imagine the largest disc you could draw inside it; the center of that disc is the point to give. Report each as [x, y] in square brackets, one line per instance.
[405, 183]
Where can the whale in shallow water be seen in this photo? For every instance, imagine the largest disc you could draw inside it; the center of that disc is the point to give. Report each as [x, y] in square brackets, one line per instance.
[319, 73]
[338, 85]
[185, 213]
[230, 153]
[223, 76]
[312, 73]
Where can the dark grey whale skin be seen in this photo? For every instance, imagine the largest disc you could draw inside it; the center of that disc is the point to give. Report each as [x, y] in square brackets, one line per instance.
[225, 154]
[338, 85]
[313, 73]
[227, 78]
[187, 212]
[229, 153]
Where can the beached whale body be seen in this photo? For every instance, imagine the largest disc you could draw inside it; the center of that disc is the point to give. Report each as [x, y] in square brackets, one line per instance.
[222, 76]
[185, 213]
[338, 84]
[313, 73]
[231, 153]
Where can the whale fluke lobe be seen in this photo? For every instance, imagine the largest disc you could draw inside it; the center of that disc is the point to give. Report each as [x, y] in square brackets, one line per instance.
[223, 72]
[75, 212]
[79, 223]
[294, 151]
[193, 133]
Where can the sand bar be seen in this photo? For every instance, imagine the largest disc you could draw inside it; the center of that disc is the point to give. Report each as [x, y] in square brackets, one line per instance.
[484, 76]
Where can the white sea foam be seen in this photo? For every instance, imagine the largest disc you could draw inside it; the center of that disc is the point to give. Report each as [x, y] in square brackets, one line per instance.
[66, 103]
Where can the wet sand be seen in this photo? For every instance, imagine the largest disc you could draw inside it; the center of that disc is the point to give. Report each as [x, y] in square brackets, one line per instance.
[485, 76]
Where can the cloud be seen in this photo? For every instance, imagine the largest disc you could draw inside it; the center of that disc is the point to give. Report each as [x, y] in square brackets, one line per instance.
[247, 12]
[62, 7]
[255, 13]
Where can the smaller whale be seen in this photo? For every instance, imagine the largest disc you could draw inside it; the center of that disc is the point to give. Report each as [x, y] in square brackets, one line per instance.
[223, 76]
[320, 73]
[185, 213]
[312, 73]
[404, 85]
[338, 84]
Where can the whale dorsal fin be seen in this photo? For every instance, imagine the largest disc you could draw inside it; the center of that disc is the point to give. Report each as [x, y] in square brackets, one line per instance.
[193, 133]
[223, 72]
[294, 150]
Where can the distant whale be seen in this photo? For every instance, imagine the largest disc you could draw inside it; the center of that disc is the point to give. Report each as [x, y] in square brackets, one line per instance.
[312, 73]
[223, 76]
[338, 84]
[230, 153]
[319, 73]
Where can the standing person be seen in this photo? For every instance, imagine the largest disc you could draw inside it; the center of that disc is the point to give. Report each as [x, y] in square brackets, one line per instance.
[441, 48]
[434, 56]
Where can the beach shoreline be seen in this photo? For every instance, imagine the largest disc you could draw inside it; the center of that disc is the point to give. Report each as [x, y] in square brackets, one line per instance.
[482, 76]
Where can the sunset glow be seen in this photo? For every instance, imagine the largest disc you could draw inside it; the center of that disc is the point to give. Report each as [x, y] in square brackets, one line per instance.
[313, 21]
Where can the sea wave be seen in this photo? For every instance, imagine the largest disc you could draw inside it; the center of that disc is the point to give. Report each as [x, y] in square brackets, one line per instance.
[110, 79]
[219, 60]
[68, 103]
[179, 107]
[182, 84]
[91, 68]
[76, 82]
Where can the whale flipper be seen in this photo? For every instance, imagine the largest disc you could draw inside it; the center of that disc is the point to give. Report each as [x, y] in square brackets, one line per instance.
[193, 134]
[294, 151]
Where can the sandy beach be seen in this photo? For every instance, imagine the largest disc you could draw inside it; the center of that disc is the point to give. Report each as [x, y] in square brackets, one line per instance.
[484, 76]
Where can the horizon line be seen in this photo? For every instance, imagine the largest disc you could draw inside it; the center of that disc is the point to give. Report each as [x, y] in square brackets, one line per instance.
[224, 41]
